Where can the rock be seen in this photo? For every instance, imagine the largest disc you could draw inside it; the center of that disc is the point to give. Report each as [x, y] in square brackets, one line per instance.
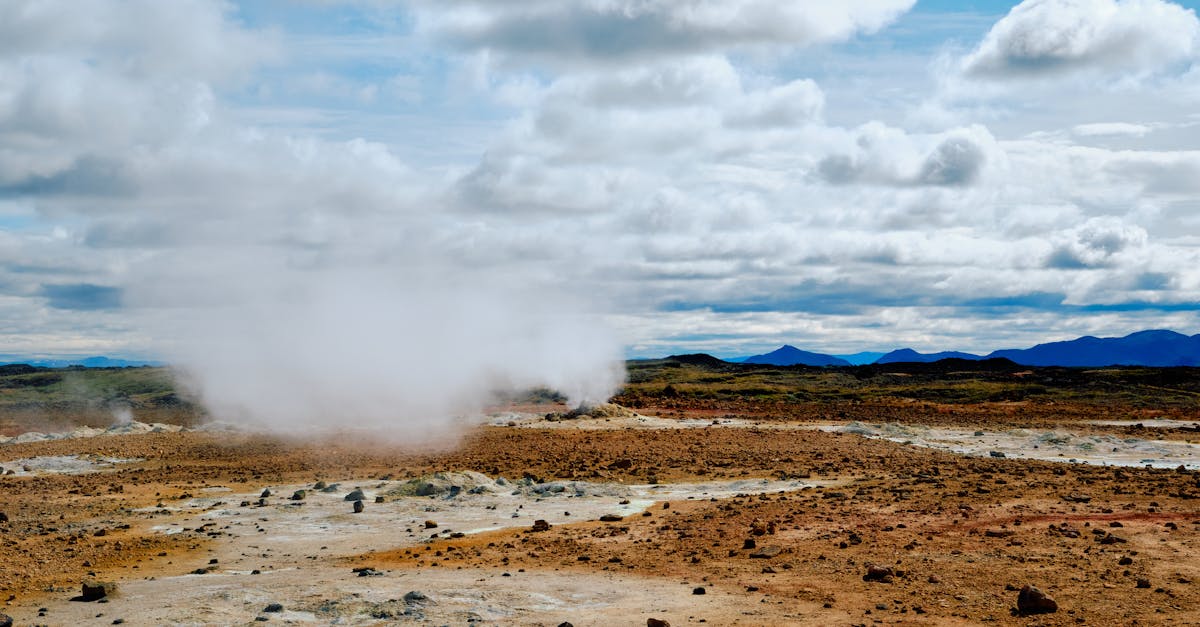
[273, 608]
[429, 524]
[358, 507]
[541, 525]
[999, 533]
[416, 597]
[565, 624]
[356, 495]
[3, 517]
[94, 590]
[698, 590]
[299, 495]
[1111, 539]
[997, 454]
[265, 493]
[379, 499]
[749, 543]
[367, 571]
[320, 485]
[882, 574]
[1030, 600]
[935, 579]
[1125, 561]
[6, 620]
[611, 518]
[1142, 582]
[655, 622]
[766, 552]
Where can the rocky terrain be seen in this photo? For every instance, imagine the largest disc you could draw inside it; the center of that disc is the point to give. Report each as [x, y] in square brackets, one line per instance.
[682, 513]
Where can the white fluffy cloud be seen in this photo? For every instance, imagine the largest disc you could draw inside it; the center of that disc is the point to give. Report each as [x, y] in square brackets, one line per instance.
[702, 197]
[617, 31]
[1053, 37]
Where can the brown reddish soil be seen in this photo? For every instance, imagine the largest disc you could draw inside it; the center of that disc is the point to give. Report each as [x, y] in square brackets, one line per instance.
[961, 534]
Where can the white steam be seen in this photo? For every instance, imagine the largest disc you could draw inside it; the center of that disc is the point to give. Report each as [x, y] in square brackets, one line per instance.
[402, 350]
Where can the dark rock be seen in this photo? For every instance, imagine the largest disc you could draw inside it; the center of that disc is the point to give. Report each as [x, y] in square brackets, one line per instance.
[429, 524]
[367, 571]
[541, 525]
[655, 622]
[1142, 582]
[265, 493]
[999, 533]
[358, 507]
[273, 607]
[379, 499]
[299, 495]
[1033, 601]
[882, 574]
[611, 518]
[3, 517]
[356, 495]
[749, 543]
[416, 597]
[6, 620]
[95, 590]
[1125, 561]
[698, 590]
[766, 552]
[565, 624]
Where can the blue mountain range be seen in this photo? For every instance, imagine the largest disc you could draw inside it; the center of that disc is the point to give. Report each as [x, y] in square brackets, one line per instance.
[1154, 348]
[792, 356]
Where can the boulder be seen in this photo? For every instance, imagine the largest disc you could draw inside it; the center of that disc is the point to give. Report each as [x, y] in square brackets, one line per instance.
[1030, 600]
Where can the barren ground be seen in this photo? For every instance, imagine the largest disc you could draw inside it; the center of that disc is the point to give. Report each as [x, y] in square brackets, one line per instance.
[961, 533]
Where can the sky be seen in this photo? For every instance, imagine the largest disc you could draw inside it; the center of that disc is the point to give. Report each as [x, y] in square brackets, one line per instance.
[718, 176]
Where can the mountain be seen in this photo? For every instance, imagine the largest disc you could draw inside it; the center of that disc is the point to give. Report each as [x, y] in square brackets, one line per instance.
[87, 362]
[861, 359]
[1158, 348]
[792, 356]
[908, 355]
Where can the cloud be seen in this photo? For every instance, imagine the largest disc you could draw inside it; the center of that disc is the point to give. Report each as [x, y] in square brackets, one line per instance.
[622, 31]
[82, 296]
[1042, 38]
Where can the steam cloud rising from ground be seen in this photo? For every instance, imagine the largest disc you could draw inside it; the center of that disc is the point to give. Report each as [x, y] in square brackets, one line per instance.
[402, 353]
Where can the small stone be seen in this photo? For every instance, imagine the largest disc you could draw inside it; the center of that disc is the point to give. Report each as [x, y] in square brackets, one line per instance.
[273, 608]
[882, 574]
[416, 597]
[1033, 601]
[749, 543]
[299, 495]
[1125, 561]
[541, 525]
[6, 620]
[935, 579]
[611, 518]
[358, 507]
[356, 495]
[655, 622]
[698, 590]
[95, 590]
[1142, 582]
[320, 485]
[565, 624]
[265, 493]
[379, 499]
[429, 524]
[766, 552]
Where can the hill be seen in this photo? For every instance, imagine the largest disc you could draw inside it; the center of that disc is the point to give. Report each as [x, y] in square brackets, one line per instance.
[908, 355]
[791, 356]
[1156, 348]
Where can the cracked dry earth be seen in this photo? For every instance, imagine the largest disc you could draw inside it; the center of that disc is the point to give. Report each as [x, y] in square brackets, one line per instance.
[180, 527]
